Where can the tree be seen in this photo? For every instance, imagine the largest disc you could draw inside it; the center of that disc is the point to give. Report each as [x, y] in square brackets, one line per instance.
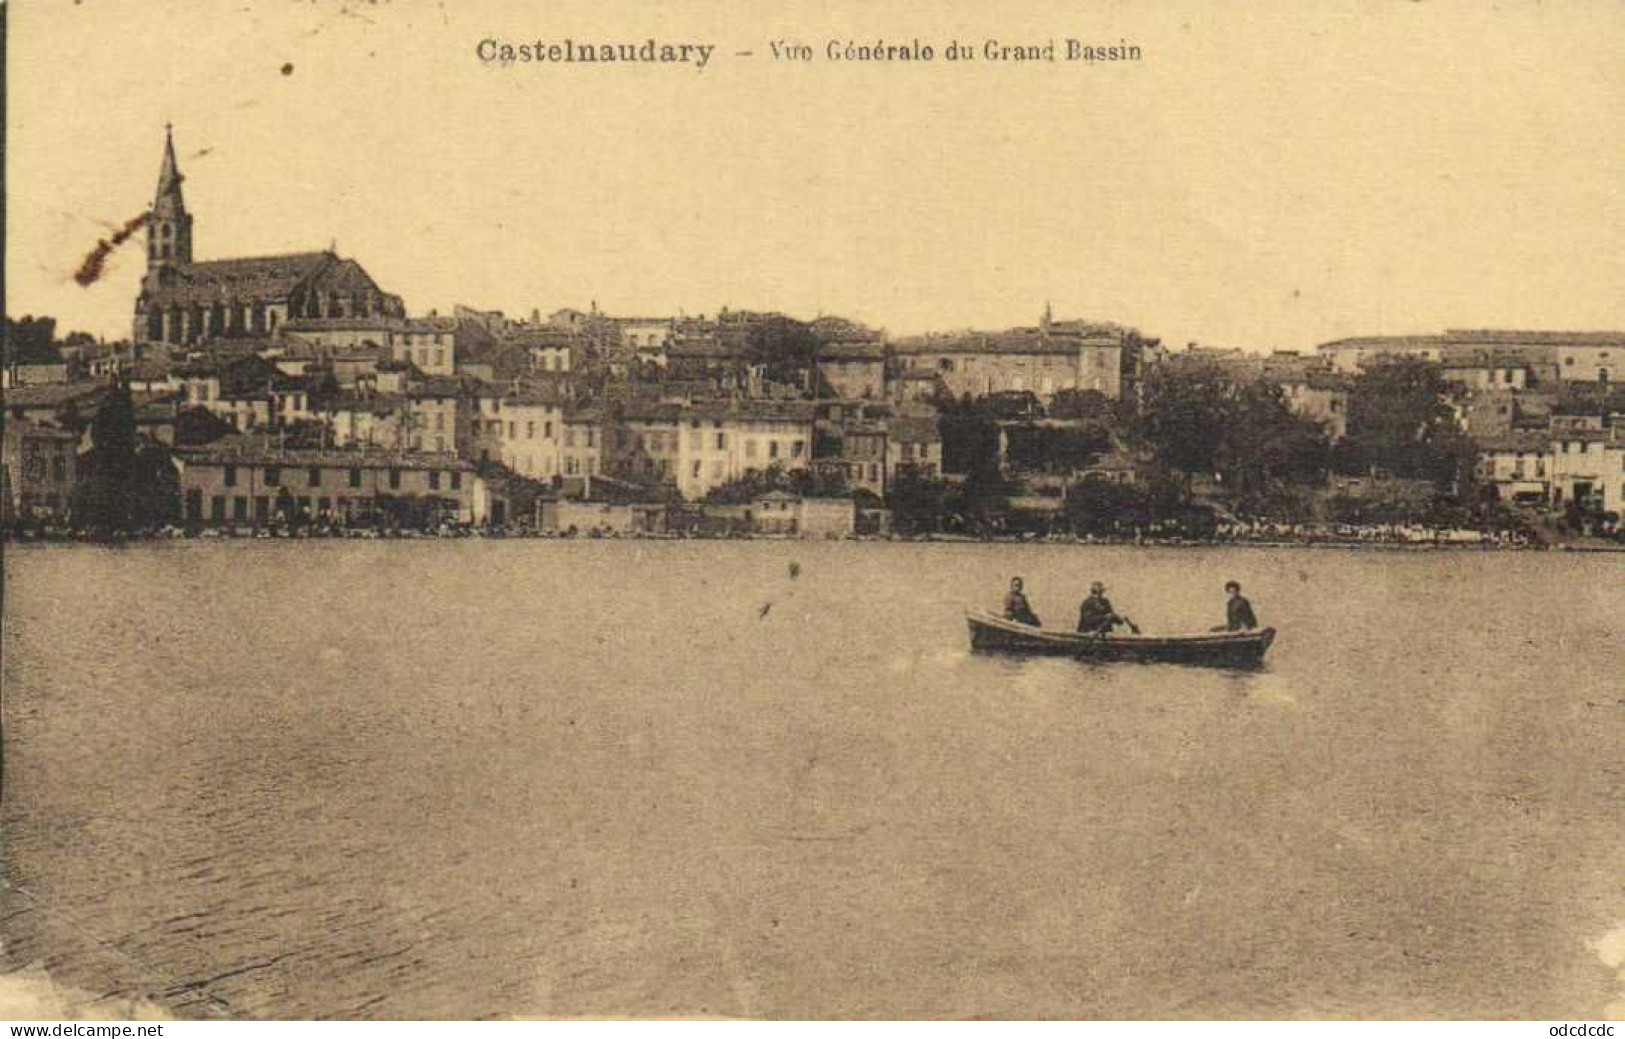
[105, 493]
[919, 503]
[1244, 434]
[1105, 507]
[1086, 405]
[783, 347]
[1047, 447]
[1401, 423]
[1185, 418]
[970, 438]
[1265, 445]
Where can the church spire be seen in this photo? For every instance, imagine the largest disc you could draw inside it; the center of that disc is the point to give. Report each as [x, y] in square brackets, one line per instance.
[169, 174]
[169, 231]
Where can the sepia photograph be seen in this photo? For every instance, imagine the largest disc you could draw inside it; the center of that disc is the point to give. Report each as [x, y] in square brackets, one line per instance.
[908, 511]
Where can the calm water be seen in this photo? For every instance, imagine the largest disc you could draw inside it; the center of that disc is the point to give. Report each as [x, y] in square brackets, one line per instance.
[501, 778]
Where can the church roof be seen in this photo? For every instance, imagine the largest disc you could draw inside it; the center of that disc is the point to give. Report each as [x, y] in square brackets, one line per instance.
[266, 279]
[250, 278]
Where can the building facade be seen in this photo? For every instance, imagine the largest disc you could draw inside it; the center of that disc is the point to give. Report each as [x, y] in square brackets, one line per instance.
[250, 481]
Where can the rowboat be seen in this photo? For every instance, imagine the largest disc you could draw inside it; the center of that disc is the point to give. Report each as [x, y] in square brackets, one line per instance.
[990, 633]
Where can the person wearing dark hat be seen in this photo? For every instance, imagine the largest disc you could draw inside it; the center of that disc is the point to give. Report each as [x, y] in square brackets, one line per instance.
[1096, 616]
[1016, 607]
[1238, 612]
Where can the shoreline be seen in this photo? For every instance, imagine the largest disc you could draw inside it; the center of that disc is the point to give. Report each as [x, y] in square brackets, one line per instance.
[1352, 545]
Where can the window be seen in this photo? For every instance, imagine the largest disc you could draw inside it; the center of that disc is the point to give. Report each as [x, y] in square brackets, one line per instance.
[696, 472]
[456, 480]
[589, 437]
[569, 437]
[722, 441]
[231, 476]
[434, 479]
[324, 505]
[530, 431]
[394, 479]
[217, 507]
[355, 477]
[440, 421]
[315, 476]
[547, 430]
[513, 431]
[59, 469]
[796, 447]
[239, 508]
[772, 449]
[273, 476]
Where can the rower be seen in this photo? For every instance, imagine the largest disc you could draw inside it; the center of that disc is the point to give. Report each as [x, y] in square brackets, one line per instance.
[1238, 612]
[1016, 607]
[1096, 616]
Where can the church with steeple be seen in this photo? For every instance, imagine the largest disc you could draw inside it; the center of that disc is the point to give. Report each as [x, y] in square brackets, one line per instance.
[183, 301]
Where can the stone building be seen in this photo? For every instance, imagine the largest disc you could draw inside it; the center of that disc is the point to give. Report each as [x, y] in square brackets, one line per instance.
[39, 467]
[1044, 361]
[244, 481]
[187, 301]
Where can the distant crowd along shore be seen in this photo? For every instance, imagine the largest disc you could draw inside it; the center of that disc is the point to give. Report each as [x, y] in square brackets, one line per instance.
[1263, 536]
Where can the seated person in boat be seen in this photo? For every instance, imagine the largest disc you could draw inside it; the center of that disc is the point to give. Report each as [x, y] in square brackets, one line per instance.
[1096, 616]
[1016, 607]
[1238, 612]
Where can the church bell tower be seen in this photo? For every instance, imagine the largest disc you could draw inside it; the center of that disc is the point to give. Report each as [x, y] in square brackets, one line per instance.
[169, 231]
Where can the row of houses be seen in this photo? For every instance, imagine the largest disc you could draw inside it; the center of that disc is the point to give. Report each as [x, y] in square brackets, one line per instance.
[1578, 464]
[250, 481]
[1493, 357]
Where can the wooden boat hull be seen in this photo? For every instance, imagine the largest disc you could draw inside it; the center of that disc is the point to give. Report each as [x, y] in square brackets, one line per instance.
[1240, 649]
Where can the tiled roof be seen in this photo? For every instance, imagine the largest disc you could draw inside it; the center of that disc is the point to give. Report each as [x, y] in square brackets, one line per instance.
[988, 343]
[52, 395]
[852, 351]
[1379, 343]
[253, 450]
[1537, 337]
[1526, 441]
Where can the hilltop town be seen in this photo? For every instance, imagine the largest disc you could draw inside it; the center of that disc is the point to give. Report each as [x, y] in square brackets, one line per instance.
[294, 395]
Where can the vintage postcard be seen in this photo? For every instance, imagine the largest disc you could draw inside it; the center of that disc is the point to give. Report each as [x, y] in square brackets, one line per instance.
[919, 510]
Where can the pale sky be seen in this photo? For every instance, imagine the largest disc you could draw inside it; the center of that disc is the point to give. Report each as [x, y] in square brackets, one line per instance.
[1271, 175]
